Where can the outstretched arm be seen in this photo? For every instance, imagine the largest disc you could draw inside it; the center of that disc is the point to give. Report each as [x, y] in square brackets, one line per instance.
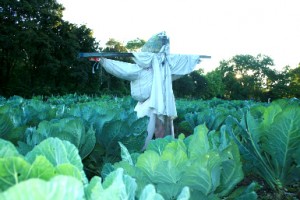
[123, 70]
[183, 64]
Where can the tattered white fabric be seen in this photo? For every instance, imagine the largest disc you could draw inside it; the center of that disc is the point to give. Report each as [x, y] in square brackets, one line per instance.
[151, 79]
[161, 101]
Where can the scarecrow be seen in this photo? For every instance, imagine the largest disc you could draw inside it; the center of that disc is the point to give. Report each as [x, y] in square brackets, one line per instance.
[151, 79]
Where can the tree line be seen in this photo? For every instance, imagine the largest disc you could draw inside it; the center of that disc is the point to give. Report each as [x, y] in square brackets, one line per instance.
[242, 77]
[39, 56]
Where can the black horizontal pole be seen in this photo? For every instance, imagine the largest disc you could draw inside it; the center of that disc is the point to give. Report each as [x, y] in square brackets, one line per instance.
[104, 54]
[205, 56]
[115, 54]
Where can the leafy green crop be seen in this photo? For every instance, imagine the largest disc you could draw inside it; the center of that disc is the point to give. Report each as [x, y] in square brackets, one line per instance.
[58, 188]
[210, 167]
[7, 149]
[93, 125]
[48, 159]
[213, 113]
[59, 152]
[269, 140]
[103, 130]
[70, 129]
[118, 185]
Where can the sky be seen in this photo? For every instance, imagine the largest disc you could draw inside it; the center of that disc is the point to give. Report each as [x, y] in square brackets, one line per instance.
[219, 28]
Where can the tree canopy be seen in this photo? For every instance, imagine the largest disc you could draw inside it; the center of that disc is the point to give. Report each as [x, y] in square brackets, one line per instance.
[39, 50]
[250, 77]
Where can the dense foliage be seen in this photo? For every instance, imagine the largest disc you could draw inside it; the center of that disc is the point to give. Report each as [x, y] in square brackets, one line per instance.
[269, 140]
[95, 127]
[222, 150]
[207, 162]
[39, 50]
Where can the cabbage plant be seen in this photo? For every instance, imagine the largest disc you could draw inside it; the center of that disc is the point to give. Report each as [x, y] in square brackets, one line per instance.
[269, 141]
[49, 158]
[206, 162]
[71, 129]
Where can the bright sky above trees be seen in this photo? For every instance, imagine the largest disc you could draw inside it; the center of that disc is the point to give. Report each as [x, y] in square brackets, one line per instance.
[219, 28]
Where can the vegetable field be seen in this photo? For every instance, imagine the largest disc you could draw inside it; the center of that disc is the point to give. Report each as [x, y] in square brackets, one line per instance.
[81, 147]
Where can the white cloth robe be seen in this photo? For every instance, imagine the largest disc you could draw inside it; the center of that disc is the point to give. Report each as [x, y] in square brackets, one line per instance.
[161, 68]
